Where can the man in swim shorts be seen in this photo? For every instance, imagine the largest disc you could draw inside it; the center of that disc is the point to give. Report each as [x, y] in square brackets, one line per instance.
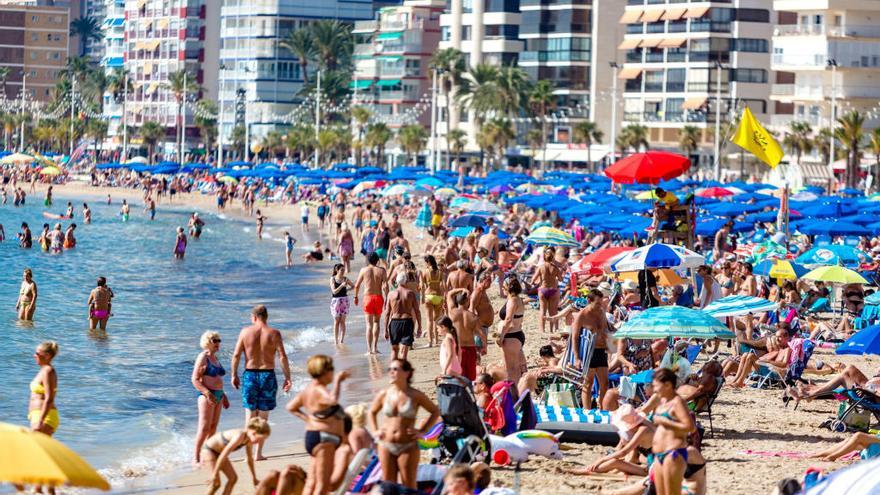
[372, 277]
[259, 342]
[401, 315]
[593, 319]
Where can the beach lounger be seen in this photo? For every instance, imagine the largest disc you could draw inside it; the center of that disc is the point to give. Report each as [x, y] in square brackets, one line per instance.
[570, 373]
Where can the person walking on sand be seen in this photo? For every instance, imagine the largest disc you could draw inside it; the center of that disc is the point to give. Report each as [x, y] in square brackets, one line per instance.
[401, 316]
[180, 244]
[260, 343]
[260, 221]
[372, 277]
[27, 297]
[339, 285]
[100, 304]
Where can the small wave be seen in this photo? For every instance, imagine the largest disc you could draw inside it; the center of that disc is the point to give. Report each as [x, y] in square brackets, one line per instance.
[221, 216]
[246, 229]
[310, 337]
[172, 453]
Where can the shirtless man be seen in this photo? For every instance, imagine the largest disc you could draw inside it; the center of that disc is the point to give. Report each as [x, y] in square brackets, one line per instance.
[745, 283]
[490, 242]
[99, 305]
[394, 225]
[482, 307]
[468, 325]
[593, 319]
[460, 278]
[372, 277]
[401, 309]
[259, 342]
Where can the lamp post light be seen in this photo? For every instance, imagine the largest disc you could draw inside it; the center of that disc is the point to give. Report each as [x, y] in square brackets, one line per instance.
[832, 64]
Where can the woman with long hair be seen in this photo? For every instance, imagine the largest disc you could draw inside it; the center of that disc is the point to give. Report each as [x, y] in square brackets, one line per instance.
[547, 278]
[450, 350]
[433, 290]
[511, 339]
[339, 303]
[27, 296]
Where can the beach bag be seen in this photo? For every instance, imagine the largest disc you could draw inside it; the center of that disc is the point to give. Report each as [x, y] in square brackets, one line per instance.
[560, 395]
[859, 418]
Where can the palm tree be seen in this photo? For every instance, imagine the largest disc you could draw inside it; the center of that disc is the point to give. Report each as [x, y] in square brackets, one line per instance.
[412, 139]
[238, 136]
[534, 138]
[97, 130]
[301, 140]
[8, 128]
[457, 139]
[479, 90]
[542, 100]
[87, 28]
[361, 115]
[495, 136]
[874, 146]
[206, 121]
[272, 143]
[634, 136]
[513, 89]
[798, 139]
[333, 42]
[181, 84]
[343, 142]
[822, 144]
[689, 139]
[450, 63]
[151, 132]
[326, 142]
[96, 85]
[301, 45]
[378, 135]
[850, 132]
[4, 75]
[79, 68]
[587, 133]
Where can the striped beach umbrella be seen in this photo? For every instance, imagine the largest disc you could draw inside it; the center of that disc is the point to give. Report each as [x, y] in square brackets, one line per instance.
[548, 236]
[739, 305]
[658, 256]
[861, 478]
[673, 321]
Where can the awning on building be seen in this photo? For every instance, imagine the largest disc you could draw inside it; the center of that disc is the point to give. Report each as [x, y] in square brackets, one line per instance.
[147, 23]
[114, 61]
[650, 42]
[652, 15]
[162, 24]
[694, 103]
[672, 43]
[390, 58]
[696, 12]
[628, 44]
[630, 16]
[814, 171]
[151, 45]
[389, 36]
[673, 14]
[629, 73]
[148, 68]
[361, 84]
[386, 83]
[152, 88]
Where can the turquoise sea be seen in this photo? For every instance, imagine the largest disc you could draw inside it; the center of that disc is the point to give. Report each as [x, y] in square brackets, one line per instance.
[125, 398]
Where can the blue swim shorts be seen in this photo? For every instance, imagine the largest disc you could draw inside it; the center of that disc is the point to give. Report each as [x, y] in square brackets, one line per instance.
[258, 390]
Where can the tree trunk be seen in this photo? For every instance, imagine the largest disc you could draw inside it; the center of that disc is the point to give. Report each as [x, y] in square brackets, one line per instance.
[448, 93]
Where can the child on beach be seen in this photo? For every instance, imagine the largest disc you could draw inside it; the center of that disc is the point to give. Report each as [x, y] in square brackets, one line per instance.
[216, 450]
[316, 255]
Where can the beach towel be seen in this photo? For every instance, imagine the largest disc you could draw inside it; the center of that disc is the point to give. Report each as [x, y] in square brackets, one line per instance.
[551, 414]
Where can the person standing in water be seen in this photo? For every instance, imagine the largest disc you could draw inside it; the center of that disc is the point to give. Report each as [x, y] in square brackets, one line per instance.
[180, 244]
[69, 239]
[151, 208]
[69, 212]
[87, 214]
[27, 296]
[125, 211]
[100, 305]
[48, 200]
[339, 285]
[195, 226]
[260, 221]
[260, 343]
[289, 242]
[25, 239]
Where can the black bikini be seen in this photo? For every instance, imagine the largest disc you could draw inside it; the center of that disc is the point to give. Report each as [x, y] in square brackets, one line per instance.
[519, 335]
[693, 469]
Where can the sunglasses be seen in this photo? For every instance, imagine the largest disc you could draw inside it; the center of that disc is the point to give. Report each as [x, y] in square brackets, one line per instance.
[216, 341]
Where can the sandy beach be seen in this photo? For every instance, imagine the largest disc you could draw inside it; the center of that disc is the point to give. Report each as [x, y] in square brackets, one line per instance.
[744, 419]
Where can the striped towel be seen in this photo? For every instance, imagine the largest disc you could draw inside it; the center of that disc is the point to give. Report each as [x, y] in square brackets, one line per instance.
[547, 414]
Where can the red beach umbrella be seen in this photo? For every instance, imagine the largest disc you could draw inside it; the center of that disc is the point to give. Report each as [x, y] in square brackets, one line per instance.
[595, 262]
[648, 168]
[714, 192]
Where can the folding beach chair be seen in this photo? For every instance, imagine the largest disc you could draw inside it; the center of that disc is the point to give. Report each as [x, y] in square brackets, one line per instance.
[703, 405]
[570, 373]
[856, 411]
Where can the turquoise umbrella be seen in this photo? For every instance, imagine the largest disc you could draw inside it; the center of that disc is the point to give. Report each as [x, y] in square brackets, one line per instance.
[673, 321]
[423, 221]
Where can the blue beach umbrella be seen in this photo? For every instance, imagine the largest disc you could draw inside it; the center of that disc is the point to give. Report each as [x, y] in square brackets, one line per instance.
[833, 228]
[859, 478]
[725, 209]
[709, 227]
[828, 210]
[865, 341]
[469, 221]
[465, 231]
[739, 305]
[833, 254]
[766, 267]
[658, 256]
[673, 321]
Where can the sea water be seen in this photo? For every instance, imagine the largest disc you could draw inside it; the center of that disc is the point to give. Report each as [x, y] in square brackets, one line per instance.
[125, 398]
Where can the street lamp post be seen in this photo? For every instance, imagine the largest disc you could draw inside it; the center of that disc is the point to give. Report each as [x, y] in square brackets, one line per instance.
[124, 116]
[434, 122]
[220, 120]
[832, 63]
[615, 68]
[23, 96]
[718, 121]
[318, 119]
[72, 105]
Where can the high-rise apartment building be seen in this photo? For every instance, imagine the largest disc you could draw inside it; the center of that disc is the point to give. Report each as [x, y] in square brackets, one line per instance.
[96, 9]
[261, 81]
[392, 57]
[34, 45]
[676, 55]
[113, 57]
[161, 38]
[823, 49]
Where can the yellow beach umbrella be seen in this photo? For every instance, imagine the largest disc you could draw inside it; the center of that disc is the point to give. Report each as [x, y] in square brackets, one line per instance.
[665, 277]
[228, 179]
[33, 458]
[17, 158]
[650, 194]
[786, 269]
[835, 275]
[50, 171]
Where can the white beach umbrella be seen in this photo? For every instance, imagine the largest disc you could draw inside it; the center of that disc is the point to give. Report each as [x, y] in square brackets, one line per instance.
[861, 478]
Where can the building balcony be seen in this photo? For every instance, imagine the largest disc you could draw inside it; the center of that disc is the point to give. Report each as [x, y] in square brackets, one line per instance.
[364, 49]
[561, 56]
[392, 26]
[782, 90]
[849, 30]
[366, 26]
[821, 93]
[783, 120]
[816, 60]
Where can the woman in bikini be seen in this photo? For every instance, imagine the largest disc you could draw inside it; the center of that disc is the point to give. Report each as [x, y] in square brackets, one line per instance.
[319, 407]
[345, 246]
[217, 449]
[512, 338]
[339, 303]
[27, 297]
[433, 290]
[42, 413]
[673, 423]
[547, 277]
[207, 378]
[398, 437]
[100, 305]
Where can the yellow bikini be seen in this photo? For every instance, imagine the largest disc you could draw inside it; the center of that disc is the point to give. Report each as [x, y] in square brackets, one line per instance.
[52, 419]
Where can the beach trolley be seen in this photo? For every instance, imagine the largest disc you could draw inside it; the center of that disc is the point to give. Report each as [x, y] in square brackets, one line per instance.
[463, 432]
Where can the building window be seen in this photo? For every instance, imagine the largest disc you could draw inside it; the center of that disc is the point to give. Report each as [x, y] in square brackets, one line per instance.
[34, 18]
[749, 45]
[753, 15]
[748, 75]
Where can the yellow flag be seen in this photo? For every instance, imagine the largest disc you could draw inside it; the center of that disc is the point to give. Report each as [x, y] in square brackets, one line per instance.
[753, 137]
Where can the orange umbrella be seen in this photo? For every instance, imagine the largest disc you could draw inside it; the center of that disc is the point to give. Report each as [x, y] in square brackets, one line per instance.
[665, 277]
